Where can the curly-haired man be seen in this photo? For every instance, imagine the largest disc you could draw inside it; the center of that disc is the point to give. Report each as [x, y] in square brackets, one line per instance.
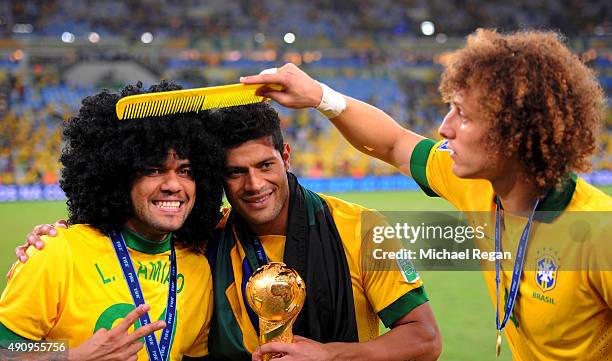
[524, 114]
[143, 196]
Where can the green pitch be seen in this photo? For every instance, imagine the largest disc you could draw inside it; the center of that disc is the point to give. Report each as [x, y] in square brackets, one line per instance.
[459, 299]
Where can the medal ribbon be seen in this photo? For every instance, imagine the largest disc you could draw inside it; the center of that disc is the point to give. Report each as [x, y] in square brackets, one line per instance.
[518, 264]
[255, 257]
[161, 351]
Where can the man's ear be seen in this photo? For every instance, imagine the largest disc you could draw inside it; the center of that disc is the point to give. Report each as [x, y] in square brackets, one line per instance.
[286, 155]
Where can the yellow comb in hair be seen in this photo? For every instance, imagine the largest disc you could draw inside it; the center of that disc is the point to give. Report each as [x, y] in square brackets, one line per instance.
[187, 100]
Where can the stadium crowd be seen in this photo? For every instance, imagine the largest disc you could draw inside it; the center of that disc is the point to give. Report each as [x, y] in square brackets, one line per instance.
[319, 18]
[30, 131]
[36, 97]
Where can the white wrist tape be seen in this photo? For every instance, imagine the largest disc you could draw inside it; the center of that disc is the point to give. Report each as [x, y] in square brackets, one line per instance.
[332, 102]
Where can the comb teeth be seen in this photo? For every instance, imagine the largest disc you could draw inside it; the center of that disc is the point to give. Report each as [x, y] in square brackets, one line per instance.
[185, 101]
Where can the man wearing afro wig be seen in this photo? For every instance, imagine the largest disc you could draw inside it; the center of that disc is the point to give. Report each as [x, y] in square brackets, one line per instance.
[143, 195]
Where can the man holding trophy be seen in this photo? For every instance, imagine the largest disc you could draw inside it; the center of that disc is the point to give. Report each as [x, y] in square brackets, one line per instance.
[275, 219]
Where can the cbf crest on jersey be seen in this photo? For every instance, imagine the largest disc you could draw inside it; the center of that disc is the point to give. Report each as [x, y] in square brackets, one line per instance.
[546, 273]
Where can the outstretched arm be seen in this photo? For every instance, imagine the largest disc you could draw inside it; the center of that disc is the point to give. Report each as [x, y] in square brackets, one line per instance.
[367, 128]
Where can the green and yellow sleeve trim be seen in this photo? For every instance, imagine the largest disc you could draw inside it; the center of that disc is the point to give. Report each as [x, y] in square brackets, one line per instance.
[403, 306]
[418, 165]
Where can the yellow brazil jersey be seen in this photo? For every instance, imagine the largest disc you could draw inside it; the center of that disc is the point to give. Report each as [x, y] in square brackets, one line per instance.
[377, 296]
[75, 286]
[563, 309]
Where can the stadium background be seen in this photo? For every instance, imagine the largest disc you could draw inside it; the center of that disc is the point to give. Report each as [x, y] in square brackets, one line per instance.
[53, 53]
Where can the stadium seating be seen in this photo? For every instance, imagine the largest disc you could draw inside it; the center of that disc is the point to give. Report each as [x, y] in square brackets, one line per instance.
[215, 41]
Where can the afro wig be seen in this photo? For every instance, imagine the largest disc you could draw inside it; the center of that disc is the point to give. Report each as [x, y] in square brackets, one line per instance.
[102, 157]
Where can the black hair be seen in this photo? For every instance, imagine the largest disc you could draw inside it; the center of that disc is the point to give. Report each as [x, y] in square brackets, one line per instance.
[102, 157]
[236, 125]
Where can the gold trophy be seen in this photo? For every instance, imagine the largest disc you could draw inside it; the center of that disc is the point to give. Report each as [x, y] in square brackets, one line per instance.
[276, 293]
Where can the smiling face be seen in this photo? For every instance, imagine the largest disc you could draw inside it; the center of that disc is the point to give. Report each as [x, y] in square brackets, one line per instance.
[466, 131]
[162, 198]
[256, 184]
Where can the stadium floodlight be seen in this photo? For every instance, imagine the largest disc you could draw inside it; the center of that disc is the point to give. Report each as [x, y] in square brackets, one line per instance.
[259, 38]
[93, 37]
[146, 37]
[428, 28]
[289, 38]
[68, 37]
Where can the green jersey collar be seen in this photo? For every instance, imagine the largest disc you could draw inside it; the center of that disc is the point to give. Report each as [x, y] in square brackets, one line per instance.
[557, 200]
[137, 242]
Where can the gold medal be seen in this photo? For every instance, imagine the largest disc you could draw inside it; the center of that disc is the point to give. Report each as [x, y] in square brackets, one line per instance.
[498, 344]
